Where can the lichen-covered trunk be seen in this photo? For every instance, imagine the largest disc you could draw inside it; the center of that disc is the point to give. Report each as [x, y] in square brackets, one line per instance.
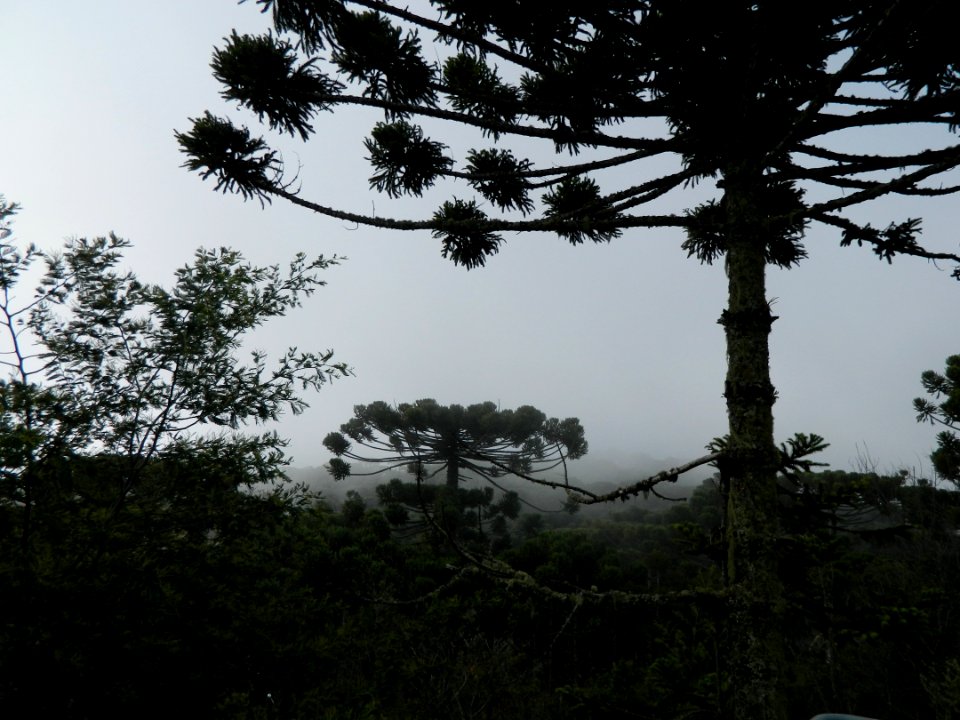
[453, 474]
[449, 506]
[755, 648]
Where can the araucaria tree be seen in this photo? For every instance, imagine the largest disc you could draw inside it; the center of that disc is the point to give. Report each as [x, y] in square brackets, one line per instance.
[945, 390]
[752, 98]
[480, 442]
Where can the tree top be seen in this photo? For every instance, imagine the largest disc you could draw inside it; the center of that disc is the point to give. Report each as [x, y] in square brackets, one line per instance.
[757, 95]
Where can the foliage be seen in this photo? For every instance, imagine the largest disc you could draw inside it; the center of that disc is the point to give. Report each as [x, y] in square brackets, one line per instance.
[803, 75]
[143, 537]
[946, 412]
[101, 363]
[480, 442]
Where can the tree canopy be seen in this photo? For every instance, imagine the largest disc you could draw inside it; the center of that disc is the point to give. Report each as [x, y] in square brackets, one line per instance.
[101, 365]
[480, 438]
[479, 442]
[736, 89]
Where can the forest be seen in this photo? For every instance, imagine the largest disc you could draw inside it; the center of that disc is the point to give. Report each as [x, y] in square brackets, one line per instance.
[156, 557]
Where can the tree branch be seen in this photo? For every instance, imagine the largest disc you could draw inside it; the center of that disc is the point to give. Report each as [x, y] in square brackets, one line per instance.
[857, 231]
[902, 182]
[867, 185]
[851, 164]
[543, 225]
[586, 497]
[558, 172]
[647, 484]
[922, 110]
[564, 137]
[448, 31]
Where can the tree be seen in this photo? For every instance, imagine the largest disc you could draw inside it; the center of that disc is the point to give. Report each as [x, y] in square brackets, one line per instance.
[101, 365]
[751, 98]
[158, 362]
[137, 521]
[480, 442]
[946, 412]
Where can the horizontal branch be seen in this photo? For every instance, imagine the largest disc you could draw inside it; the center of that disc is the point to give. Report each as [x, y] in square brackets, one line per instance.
[852, 163]
[378, 471]
[566, 137]
[560, 171]
[857, 231]
[542, 225]
[892, 186]
[856, 101]
[445, 30]
[922, 110]
[850, 183]
[874, 77]
[514, 579]
[647, 484]
[586, 497]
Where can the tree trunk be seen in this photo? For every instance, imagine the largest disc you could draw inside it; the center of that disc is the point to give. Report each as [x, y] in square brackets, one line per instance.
[449, 499]
[754, 628]
[453, 473]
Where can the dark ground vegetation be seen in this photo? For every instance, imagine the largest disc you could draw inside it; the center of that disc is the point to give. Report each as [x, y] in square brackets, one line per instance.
[224, 603]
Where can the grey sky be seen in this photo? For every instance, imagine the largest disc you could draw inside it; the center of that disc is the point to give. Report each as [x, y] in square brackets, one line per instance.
[624, 335]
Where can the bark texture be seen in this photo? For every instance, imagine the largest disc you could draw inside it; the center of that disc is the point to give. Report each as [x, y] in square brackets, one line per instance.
[755, 651]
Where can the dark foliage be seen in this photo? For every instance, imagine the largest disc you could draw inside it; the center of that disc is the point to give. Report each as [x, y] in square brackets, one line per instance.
[475, 445]
[944, 388]
[749, 93]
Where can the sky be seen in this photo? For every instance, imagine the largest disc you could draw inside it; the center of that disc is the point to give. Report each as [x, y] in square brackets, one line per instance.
[623, 336]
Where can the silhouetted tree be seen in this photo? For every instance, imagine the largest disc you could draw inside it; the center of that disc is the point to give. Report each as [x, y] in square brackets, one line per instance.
[753, 99]
[140, 529]
[479, 442]
[945, 389]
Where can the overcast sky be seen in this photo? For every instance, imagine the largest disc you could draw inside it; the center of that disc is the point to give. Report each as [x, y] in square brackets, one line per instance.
[623, 336]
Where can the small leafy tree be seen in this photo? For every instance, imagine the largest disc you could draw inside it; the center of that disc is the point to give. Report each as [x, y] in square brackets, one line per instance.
[139, 547]
[457, 443]
[945, 390]
[102, 365]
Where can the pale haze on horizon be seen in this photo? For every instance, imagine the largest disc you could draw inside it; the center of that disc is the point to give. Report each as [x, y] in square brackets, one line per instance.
[623, 336]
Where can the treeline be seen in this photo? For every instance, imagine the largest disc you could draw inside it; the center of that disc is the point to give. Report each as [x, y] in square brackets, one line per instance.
[198, 597]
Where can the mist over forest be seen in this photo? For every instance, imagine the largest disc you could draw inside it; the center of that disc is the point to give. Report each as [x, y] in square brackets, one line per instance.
[601, 474]
[699, 256]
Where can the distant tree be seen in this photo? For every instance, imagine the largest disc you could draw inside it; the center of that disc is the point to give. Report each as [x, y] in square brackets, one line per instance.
[480, 515]
[945, 389]
[857, 503]
[754, 99]
[479, 442]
